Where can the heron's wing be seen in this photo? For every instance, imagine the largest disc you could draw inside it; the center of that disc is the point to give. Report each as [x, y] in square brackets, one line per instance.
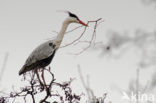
[41, 52]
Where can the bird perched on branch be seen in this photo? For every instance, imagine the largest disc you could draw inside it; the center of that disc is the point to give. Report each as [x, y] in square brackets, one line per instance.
[44, 53]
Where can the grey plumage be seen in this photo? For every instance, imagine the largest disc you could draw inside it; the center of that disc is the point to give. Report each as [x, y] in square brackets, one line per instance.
[42, 52]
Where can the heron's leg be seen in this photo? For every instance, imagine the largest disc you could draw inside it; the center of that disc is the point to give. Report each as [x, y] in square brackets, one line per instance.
[36, 71]
[43, 77]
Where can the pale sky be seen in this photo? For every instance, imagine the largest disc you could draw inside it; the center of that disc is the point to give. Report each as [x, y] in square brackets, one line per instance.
[24, 24]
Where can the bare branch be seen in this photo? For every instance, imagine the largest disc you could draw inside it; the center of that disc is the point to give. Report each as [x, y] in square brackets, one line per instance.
[75, 39]
[97, 22]
[34, 88]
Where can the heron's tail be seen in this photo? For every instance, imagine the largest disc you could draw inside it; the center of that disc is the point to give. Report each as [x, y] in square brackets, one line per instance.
[22, 70]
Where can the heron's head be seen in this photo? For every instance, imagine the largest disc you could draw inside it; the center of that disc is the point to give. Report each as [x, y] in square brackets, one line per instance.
[74, 19]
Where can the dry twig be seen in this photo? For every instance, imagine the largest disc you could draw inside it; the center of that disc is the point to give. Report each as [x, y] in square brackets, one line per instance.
[35, 88]
[97, 22]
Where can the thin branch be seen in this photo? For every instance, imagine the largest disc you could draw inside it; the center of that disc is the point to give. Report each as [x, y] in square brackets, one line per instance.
[73, 29]
[92, 38]
[93, 35]
[34, 87]
[75, 39]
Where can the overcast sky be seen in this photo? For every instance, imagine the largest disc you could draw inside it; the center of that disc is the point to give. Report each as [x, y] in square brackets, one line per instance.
[24, 24]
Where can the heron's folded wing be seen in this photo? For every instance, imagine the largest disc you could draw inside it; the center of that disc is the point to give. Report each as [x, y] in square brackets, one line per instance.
[41, 52]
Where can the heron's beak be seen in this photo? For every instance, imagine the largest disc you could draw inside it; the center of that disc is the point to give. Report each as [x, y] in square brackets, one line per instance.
[81, 22]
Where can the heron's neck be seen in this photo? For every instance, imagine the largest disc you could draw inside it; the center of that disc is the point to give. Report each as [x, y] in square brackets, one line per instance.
[62, 32]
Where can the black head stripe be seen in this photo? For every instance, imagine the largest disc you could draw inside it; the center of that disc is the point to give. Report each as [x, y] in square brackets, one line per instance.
[73, 15]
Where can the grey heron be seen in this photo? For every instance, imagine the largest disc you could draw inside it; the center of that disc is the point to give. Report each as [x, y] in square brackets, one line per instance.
[44, 53]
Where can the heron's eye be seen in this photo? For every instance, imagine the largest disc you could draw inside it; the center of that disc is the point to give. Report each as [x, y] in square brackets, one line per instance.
[50, 44]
